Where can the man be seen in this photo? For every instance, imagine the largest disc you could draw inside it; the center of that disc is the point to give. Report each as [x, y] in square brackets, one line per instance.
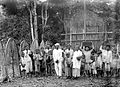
[58, 58]
[68, 61]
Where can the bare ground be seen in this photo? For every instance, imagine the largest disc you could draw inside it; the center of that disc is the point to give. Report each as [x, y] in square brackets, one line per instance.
[54, 82]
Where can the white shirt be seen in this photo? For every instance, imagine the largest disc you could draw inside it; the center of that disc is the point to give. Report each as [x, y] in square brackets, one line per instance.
[27, 57]
[104, 52]
[108, 56]
[57, 55]
[76, 63]
[88, 56]
[69, 51]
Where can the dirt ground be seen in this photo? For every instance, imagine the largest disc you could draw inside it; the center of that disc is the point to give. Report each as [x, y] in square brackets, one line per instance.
[54, 82]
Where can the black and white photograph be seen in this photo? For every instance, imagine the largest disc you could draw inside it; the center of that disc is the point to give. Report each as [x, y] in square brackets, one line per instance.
[59, 43]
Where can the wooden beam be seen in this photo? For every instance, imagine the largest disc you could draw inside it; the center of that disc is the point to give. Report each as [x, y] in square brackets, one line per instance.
[84, 40]
[88, 33]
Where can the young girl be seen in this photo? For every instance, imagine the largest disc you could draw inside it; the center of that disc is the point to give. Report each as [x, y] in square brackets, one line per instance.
[99, 64]
[23, 66]
[28, 61]
[37, 62]
[93, 63]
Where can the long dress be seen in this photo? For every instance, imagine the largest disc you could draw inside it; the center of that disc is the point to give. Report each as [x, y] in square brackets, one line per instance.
[28, 61]
[108, 60]
[76, 63]
[88, 59]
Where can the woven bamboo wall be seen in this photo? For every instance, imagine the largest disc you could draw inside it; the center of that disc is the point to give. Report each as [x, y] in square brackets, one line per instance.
[94, 29]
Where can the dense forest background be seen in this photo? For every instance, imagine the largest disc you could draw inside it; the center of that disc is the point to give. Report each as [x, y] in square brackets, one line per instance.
[24, 19]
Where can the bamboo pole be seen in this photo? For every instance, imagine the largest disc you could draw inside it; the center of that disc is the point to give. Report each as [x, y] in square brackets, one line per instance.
[70, 27]
[84, 36]
[42, 13]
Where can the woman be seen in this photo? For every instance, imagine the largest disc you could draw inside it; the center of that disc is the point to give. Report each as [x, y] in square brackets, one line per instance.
[87, 52]
[77, 56]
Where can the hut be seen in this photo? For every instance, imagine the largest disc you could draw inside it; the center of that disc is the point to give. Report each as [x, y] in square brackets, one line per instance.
[84, 25]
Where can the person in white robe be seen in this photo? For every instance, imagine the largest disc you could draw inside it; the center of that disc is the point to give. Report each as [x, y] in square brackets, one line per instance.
[77, 57]
[58, 58]
[108, 59]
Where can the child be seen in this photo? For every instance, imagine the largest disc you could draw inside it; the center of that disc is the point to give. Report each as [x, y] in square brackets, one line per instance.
[108, 60]
[94, 62]
[68, 61]
[118, 66]
[42, 61]
[99, 64]
[49, 62]
[28, 62]
[37, 62]
[23, 65]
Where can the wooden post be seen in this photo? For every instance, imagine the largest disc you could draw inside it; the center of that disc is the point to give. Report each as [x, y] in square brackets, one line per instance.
[42, 13]
[70, 33]
[70, 26]
[84, 31]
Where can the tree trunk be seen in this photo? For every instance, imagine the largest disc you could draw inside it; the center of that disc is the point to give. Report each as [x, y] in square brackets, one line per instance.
[42, 22]
[31, 26]
[35, 21]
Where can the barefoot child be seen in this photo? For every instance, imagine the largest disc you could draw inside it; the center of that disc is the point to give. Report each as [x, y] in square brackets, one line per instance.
[23, 65]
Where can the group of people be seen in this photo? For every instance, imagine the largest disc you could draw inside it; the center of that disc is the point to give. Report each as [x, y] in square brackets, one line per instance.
[68, 62]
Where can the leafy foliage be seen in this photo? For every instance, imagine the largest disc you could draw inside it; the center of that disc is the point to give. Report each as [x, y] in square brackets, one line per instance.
[17, 23]
[16, 27]
[117, 22]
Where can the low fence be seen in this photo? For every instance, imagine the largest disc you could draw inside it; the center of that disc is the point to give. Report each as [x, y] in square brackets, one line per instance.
[95, 37]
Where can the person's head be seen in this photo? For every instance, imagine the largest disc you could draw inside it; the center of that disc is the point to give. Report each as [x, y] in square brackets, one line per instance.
[42, 48]
[37, 51]
[107, 47]
[76, 48]
[99, 52]
[22, 54]
[87, 48]
[68, 47]
[57, 45]
[103, 47]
